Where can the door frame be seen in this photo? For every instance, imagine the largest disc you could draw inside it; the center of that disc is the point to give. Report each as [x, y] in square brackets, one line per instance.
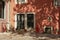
[34, 18]
[51, 28]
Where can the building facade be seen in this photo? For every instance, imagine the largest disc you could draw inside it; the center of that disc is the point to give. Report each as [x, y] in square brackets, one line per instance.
[40, 15]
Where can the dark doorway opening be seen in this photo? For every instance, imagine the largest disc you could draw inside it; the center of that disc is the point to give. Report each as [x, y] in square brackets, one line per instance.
[30, 20]
[2, 5]
[48, 30]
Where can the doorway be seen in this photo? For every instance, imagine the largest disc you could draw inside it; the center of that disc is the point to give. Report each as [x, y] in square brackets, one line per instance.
[48, 29]
[30, 20]
[2, 5]
[25, 21]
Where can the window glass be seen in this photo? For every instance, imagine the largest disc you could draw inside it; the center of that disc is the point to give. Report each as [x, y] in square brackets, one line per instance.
[20, 1]
[57, 2]
[20, 21]
[1, 9]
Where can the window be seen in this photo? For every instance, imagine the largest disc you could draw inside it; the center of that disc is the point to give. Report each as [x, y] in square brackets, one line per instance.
[25, 21]
[20, 1]
[57, 2]
[30, 20]
[20, 21]
[1, 9]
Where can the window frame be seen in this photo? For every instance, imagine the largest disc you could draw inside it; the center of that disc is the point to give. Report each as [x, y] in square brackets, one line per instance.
[25, 20]
[56, 3]
[34, 18]
[16, 2]
[2, 9]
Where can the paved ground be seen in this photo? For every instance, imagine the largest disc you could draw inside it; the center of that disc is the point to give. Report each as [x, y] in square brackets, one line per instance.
[27, 36]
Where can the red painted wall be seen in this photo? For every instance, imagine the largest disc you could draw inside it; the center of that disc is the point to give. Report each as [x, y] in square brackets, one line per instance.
[42, 9]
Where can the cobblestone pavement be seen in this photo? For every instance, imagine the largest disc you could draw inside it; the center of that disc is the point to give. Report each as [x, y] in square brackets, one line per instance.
[27, 36]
